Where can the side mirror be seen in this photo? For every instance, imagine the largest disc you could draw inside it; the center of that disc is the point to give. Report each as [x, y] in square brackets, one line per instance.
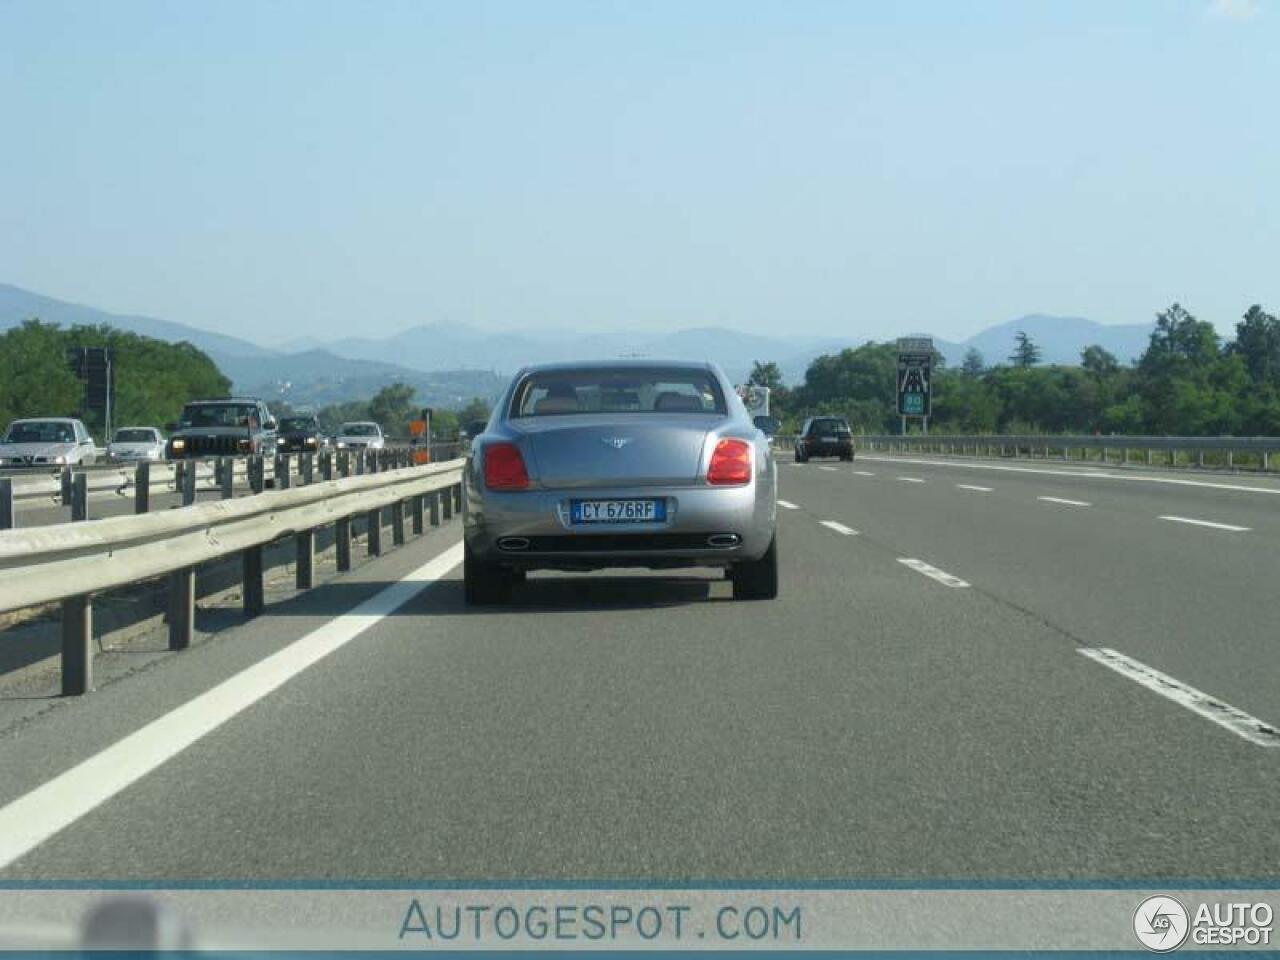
[270, 424]
[767, 425]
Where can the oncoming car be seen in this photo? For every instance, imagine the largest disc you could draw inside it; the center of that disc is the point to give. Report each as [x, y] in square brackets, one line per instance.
[359, 434]
[619, 464]
[824, 437]
[136, 443]
[51, 441]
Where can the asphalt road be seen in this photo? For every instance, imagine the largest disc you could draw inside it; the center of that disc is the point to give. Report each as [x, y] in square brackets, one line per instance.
[879, 720]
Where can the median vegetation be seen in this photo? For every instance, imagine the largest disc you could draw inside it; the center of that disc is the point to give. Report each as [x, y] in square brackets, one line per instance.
[1188, 382]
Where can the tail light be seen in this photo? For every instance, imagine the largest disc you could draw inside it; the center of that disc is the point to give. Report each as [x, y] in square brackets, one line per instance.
[730, 463]
[504, 467]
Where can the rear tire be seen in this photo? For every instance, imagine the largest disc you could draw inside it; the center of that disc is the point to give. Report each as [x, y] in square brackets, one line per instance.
[800, 457]
[484, 584]
[757, 579]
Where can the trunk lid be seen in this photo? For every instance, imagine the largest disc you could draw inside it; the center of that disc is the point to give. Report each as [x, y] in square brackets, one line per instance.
[633, 450]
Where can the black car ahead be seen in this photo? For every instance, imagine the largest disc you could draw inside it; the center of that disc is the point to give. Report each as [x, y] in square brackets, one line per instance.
[824, 437]
[300, 435]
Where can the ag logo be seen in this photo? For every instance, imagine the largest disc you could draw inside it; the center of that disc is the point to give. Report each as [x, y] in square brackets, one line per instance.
[1161, 924]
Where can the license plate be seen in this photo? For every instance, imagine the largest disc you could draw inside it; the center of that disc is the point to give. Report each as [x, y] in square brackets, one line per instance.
[617, 511]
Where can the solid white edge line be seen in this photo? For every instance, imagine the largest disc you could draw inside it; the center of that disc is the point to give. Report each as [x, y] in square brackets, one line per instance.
[33, 818]
[1070, 503]
[1207, 523]
[933, 572]
[839, 527]
[787, 505]
[970, 486]
[1197, 701]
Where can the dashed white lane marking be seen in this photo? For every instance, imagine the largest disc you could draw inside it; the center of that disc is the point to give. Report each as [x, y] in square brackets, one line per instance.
[787, 505]
[1069, 503]
[932, 572]
[1208, 523]
[839, 528]
[1223, 714]
[828, 469]
[863, 473]
[56, 804]
[912, 479]
[1083, 472]
[971, 486]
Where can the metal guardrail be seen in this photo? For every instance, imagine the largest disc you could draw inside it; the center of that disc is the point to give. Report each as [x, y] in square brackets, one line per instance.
[1150, 450]
[70, 562]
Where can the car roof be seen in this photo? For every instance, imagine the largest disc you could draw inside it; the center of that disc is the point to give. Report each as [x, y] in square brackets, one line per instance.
[140, 426]
[225, 400]
[621, 363]
[360, 423]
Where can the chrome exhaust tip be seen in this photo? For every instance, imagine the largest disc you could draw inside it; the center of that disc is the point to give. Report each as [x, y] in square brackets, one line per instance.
[722, 540]
[513, 543]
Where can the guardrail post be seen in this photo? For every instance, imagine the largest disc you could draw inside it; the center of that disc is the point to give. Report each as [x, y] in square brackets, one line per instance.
[66, 486]
[182, 607]
[227, 479]
[282, 471]
[80, 497]
[360, 462]
[435, 507]
[1125, 458]
[342, 543]
[326, 465]
[1266, 460]
[397, 523]
[77, 645]
[307, 469]
[415, 512]
[305, 556]
[6, 502]
[457, 497]
[446, 502]
[373, 520]
[1230, 460]
[1173, 458]
[142, 487]
[1148, 456]
[1102, 454]
[255, 473]
[253, 588]
[188, 485]
[1199, 458]
[344, 464]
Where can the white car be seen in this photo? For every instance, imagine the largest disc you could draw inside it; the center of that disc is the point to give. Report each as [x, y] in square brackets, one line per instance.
[47, 442]
[131, 444]
[360, 434]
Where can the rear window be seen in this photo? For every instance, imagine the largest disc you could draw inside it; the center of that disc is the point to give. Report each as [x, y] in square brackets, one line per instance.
[135, 436]
[359, 429]
[826, 428]
[219, 415]
[298, 423]
[626, 390]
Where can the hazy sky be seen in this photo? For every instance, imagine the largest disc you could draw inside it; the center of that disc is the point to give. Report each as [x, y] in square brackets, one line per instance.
[281, 169]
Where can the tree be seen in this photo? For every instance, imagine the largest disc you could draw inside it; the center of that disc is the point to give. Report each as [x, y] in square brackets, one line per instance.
[1258, 342]
[477, 409]
[392, 407]
[765, 375]
[1025, 353]
[1099, 361]
[973, 365]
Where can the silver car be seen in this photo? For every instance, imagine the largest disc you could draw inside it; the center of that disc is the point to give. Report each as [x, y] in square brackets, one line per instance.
[47, 441]
[358, 434]
[136, 443]
[619, 464]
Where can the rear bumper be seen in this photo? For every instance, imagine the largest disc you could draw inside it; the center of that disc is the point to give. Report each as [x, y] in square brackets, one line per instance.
[826, 449]
[531, 530]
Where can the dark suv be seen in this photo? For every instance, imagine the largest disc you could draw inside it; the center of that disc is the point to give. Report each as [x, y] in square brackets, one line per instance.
[232, 426]
[824, 437]
[300, 434]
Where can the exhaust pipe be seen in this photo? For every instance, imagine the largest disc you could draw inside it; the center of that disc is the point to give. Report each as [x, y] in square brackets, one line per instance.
[723, 540]
[513, 543]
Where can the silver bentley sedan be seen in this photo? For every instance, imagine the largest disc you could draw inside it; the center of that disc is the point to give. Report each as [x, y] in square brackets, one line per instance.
[633, 463]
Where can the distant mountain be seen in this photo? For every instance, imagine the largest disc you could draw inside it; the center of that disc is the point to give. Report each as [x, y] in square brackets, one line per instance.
[478, 359]
[17, 305]
[1060, 339]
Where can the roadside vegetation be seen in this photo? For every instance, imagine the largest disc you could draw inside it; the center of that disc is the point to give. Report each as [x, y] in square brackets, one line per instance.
[1188, 382]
